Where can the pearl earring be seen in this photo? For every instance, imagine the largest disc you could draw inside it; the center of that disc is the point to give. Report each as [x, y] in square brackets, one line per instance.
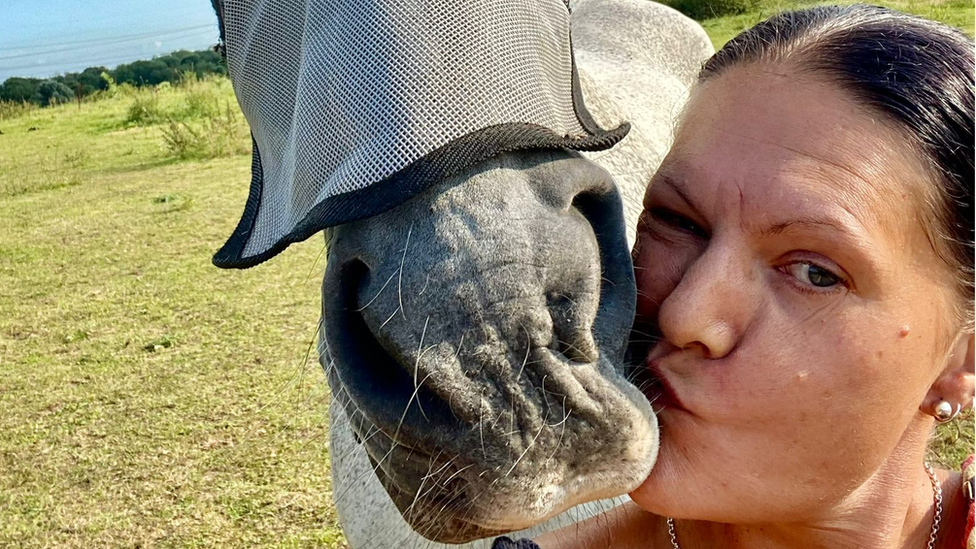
[944, 412]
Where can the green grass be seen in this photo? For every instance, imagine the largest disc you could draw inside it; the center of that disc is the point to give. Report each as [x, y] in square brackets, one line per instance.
[148, 399]
[958, 13]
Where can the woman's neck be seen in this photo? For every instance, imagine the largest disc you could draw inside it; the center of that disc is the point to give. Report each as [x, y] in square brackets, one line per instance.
[893, 509]
[891, 514]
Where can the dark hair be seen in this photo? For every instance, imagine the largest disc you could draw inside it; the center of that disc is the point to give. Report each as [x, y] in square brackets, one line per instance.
[917, 72]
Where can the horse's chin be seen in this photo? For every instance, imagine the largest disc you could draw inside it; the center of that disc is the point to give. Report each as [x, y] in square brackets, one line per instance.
[453, 497]
[564, 433]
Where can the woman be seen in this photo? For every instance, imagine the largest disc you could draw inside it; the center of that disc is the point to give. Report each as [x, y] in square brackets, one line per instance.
[805, 266]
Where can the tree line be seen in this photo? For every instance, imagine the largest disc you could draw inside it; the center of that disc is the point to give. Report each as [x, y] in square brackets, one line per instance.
[77, 85]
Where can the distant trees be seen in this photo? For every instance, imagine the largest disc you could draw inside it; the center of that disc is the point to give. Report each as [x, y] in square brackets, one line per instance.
[143, 73]
[50, 92]
[19, 89]
[66, 87]
[168, 68]
[35, 90]
[87, 81]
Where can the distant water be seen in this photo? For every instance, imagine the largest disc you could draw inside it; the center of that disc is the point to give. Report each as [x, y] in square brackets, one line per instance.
[41, 38]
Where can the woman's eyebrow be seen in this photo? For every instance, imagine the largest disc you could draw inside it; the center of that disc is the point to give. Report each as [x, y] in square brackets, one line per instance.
[666, 179]
[779, 228]
[674, 183]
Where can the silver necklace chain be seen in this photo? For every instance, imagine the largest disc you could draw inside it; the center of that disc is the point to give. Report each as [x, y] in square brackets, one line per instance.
[936, 516]
[674, 537]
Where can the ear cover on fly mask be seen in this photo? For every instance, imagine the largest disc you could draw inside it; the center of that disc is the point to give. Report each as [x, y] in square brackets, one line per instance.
[357, 105]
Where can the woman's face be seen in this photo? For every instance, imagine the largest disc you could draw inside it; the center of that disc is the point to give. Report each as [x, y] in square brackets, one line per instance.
[802, 312]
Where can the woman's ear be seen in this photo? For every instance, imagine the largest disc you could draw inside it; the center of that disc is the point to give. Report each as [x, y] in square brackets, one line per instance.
[957, 382]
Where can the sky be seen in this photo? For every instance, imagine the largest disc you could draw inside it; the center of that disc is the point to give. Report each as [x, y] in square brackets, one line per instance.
[43, 38]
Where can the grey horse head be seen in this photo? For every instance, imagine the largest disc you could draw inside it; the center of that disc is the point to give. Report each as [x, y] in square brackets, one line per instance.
[474, 336]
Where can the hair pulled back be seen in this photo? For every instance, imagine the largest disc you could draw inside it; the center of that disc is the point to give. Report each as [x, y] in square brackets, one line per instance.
[916, 72]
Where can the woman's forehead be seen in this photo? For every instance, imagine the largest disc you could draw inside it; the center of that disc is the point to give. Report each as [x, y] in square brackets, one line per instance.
[777, 136]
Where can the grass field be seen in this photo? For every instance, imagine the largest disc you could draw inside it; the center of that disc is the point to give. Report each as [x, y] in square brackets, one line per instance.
[958, 13]
[148, 399]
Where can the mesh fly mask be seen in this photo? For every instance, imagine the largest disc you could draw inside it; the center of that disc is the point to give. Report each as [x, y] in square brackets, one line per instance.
[357, 105]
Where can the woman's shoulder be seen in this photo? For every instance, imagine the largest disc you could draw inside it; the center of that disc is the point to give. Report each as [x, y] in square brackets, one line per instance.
[968, 491]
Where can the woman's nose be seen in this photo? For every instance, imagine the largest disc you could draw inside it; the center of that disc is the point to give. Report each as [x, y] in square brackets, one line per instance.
[712, 304]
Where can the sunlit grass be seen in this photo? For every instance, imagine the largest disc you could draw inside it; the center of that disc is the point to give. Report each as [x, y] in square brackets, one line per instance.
[958, 13]
[148, 398]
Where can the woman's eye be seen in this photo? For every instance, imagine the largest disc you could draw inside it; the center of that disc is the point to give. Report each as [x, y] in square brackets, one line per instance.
[677, 221]
[814, 275]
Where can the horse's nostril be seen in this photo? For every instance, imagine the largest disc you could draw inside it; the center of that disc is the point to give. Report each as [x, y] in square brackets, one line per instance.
[583, 202]
[376, 378]
[572, 336]
[602, 208]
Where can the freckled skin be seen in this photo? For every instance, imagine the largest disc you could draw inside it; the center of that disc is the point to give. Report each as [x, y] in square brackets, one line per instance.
[802, 409]
[806, 393]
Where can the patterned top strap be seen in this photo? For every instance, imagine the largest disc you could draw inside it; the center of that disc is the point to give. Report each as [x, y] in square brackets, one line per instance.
[507, 543]
[968, 491]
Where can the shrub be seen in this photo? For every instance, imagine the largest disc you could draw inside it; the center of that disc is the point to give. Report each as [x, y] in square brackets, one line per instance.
[706, 9]
[188, 79]
[50, 92]
[218, 133]
[201, 102]
[127, 90]
[111, 89]
[200, 96]
[144, 110]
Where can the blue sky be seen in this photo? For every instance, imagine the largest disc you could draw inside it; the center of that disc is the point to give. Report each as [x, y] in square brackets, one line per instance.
[47, 37]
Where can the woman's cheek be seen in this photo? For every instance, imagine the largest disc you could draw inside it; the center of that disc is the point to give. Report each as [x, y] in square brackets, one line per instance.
[658, 268]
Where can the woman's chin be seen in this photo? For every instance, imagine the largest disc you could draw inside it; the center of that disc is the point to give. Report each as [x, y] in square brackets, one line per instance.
[654, 498]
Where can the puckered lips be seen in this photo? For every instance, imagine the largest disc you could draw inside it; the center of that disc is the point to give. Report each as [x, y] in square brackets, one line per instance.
[658, 388]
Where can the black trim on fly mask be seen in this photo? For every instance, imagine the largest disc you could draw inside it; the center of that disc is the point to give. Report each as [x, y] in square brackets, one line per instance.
[381, 196]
